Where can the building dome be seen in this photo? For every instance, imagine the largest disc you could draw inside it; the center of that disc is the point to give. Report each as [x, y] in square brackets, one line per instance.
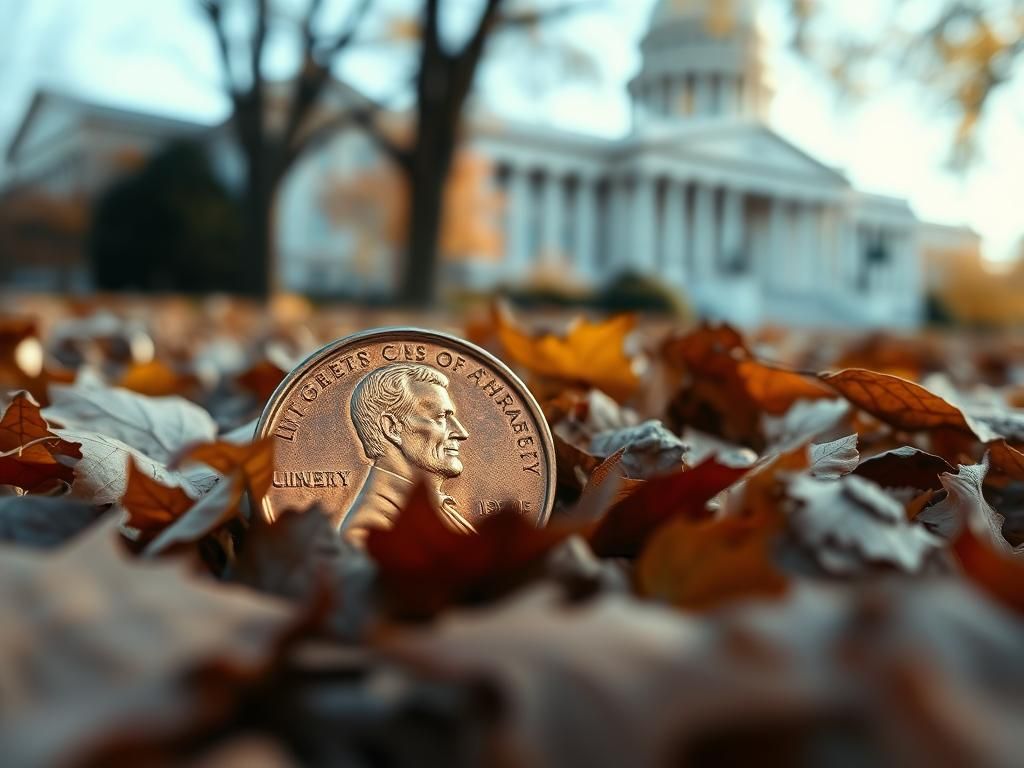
[701, 58]
[673, 10]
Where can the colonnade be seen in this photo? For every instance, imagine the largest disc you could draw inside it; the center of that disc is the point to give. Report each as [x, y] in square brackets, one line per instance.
[682, 229]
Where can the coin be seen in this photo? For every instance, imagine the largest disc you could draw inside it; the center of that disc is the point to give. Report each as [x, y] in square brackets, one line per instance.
[360, 420]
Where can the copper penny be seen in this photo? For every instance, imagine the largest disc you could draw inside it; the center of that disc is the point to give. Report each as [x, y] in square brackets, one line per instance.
[361, 419]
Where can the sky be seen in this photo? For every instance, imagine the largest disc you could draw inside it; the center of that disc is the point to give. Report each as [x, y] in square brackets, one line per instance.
[160, 56]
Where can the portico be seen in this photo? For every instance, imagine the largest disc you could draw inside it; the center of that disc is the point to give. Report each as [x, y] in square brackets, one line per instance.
[703, 195]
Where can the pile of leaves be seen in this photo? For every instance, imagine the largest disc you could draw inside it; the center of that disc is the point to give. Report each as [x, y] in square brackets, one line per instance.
[747, 560]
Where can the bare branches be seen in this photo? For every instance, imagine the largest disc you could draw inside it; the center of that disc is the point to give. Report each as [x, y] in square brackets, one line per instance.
[333, 47]
[533, 17]
[214, 10]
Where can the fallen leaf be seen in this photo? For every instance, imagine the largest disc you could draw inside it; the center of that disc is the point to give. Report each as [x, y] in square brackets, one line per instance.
[32, 457]
[299, 553]
[261, 380]
[904, 467]
[700, 566]
[590, 353]
[106, 644]
[649, 449]
[900, 403]
[101, 475]
[254, 461]
[158, 427]
[623, 531]
[43, 521]
[156, 379]
[965, 504]
[851, 526]
[149, 505]
[832, 460]
[992, 569]
[775, 390]
[213, 510]
[424, 565]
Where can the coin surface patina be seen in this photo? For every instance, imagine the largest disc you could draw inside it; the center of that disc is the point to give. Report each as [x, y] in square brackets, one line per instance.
[358, 422]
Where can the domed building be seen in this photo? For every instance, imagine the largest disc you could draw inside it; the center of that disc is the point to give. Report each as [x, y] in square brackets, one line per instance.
[702, 194]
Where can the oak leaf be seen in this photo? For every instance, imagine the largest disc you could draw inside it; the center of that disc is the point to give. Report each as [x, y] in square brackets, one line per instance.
[589, 353]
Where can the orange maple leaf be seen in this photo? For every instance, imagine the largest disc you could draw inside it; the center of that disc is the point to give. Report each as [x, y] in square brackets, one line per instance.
[590, 353]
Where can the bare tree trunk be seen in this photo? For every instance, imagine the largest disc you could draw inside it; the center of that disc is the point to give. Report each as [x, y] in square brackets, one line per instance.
[257, 260]
[426, 180]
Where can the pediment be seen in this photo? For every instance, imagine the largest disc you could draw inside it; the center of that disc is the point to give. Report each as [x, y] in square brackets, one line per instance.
[756, 147]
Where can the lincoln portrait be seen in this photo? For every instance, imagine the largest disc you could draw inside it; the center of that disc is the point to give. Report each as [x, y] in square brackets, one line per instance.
[407, 424]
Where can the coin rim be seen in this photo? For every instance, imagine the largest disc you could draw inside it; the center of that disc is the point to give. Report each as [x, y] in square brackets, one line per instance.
[313, 358]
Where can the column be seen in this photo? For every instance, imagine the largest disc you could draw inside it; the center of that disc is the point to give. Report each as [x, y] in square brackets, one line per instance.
[643, 224]
[732, 236]
[517, 235]
[551, 232]
[704, 231]
[848, 256]
[619, 199]
[809, 254]
[733, 97]
[828, 248]
[774, 266]
[673, 253]
[586, 224]
[702, 94]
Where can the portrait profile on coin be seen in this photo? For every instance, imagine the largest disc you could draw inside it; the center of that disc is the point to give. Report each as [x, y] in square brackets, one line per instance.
[406, 421]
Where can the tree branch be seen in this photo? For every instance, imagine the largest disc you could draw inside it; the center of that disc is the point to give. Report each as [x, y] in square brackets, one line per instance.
[540, 15]
[215, 12]
[348, 33]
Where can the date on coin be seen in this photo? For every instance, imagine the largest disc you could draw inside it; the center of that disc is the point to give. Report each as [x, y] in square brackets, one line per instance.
[359, 421]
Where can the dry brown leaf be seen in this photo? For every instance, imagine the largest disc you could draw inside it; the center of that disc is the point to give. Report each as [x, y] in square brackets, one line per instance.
[31, 456]
[700, 566]
[623, 531]
[424, 565]
[900, 403]
[904, 467]
[253, 461]
[995, 571]
[150, 506]
[261, 380]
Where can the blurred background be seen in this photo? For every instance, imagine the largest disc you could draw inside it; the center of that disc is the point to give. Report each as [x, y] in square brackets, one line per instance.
[789, 162]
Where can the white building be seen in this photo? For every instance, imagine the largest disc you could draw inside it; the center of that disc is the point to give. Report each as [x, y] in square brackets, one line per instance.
[701, 194]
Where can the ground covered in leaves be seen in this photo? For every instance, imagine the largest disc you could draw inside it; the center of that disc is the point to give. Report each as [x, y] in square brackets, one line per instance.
[792, 548]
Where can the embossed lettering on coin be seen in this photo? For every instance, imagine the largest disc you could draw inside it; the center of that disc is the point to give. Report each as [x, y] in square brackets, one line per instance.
[388, 407]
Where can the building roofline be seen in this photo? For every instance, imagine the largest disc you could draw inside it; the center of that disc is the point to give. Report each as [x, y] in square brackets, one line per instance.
[44, 95]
